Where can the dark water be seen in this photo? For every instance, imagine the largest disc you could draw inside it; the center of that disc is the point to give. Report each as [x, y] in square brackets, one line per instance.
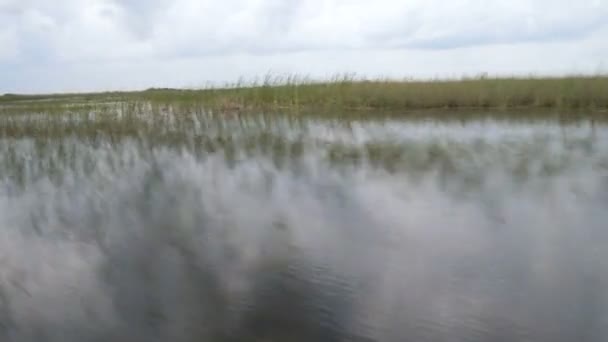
[200, 227]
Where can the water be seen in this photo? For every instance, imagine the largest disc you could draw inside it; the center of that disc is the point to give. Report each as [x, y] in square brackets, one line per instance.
[192, 226]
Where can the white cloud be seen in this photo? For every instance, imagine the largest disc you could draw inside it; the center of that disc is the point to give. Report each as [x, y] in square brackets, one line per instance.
[87, 35]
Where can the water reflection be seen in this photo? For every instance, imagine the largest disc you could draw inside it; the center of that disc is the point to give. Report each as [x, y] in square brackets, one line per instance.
[198, 226]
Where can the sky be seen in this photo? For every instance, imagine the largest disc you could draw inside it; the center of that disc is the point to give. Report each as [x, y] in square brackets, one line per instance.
[96, 45]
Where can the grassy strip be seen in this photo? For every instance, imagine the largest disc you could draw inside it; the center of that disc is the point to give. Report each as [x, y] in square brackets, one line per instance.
[348, 92]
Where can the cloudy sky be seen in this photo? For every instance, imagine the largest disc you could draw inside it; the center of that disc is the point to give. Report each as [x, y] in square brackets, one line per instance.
[81, 45]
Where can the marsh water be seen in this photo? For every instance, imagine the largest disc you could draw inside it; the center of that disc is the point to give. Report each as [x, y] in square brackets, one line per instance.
[188, 225]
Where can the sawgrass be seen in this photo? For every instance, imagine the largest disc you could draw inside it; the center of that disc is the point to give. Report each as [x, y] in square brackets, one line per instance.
[348, 92]
[351, 93]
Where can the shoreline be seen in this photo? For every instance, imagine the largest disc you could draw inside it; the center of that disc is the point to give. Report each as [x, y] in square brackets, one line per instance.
[350, 94]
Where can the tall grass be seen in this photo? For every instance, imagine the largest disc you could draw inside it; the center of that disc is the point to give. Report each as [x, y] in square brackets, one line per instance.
[292, 92]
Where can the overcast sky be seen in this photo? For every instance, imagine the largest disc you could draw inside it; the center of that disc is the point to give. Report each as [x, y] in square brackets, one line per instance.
[81, 45]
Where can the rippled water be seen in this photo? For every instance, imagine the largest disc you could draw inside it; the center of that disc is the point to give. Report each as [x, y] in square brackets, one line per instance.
[197, 226]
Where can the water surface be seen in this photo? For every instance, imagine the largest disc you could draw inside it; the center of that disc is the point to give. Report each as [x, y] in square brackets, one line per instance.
[155, 224]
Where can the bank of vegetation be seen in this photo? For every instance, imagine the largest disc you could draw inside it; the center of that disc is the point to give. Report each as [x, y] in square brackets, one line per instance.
[353, 93]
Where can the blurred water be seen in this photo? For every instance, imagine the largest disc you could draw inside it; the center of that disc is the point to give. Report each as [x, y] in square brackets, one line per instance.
[196, 227]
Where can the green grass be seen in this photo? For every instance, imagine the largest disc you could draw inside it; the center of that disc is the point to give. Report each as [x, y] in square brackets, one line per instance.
[349, 92]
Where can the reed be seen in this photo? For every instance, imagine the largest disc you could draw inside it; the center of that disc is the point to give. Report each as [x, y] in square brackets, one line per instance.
[292, 92]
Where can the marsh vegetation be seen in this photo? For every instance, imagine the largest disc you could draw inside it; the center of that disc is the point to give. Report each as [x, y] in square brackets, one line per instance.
[348, 92]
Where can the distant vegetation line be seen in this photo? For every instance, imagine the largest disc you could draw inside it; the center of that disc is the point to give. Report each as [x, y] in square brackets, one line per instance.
[350, 92]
